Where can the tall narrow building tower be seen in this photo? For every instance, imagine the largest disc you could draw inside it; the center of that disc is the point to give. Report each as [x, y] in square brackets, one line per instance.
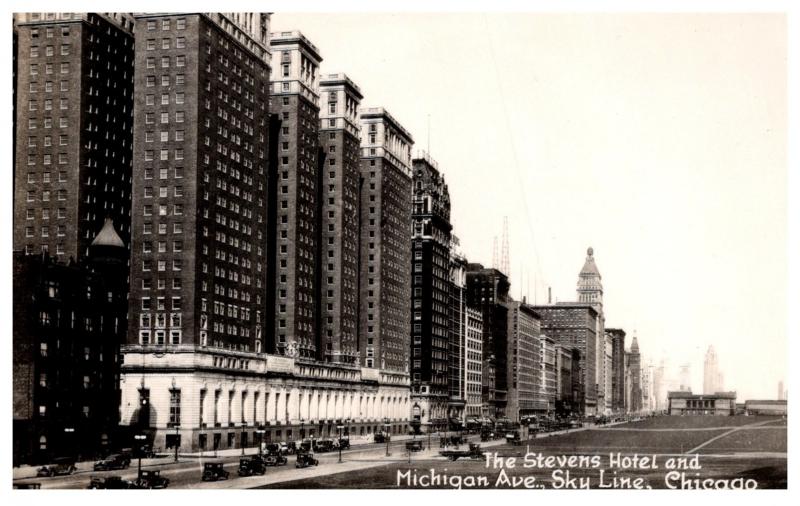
[295, 98]
[340, 137]
[385, 305]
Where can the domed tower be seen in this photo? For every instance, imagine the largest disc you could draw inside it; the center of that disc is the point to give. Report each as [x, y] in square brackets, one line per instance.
[590, 288]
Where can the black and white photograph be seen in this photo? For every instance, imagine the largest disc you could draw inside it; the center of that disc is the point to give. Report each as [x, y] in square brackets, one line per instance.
[381, 247]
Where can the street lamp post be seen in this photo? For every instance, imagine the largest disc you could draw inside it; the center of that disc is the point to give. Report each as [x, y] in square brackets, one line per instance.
[140, 437]
[340, 427]
[386, 427]
[177, 438]
[241, 438]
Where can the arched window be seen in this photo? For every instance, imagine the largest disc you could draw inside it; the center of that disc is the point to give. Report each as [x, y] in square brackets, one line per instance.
[43, 442]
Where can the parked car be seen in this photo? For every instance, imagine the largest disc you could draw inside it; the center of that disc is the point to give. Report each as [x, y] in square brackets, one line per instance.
[151, 479]
[214, 471]
[249, 466]
[414, 446]
[343, 443]
[113, 482]
[514, 438]
[114, 461]
[305, 459]
[275, 459]
[323, 445]
[381, 437]
[272, 449]
[27, 486]
[289, 448]
[59, 467]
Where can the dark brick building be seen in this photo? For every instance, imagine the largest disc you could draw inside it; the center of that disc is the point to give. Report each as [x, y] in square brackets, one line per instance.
[339, 138]
[574, 325]
[74, 108]
[617, 368]
[430, 265]
[487, 290]
[200, 155]
[295, 99]
[69, 323]
[385, 207]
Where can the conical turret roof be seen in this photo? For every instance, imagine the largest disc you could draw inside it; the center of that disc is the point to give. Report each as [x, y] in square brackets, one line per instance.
[589, 267]
[108, 236]
[634, 345]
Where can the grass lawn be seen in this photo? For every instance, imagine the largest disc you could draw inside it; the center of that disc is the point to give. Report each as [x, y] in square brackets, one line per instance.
[693, 422]
[750, 440]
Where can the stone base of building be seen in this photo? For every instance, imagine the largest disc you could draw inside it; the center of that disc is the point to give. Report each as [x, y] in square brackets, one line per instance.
[201, 398]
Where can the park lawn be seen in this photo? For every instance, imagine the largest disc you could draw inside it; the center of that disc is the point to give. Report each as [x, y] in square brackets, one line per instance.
[750, 440]
[696, 422]
[599, 440]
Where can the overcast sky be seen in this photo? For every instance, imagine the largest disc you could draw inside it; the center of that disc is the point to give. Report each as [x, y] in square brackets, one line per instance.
[657, 139]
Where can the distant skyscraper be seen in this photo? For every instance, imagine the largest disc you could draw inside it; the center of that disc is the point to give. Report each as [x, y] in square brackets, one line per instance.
[635, 377]
[487, 290]
[524, 370]
[781, 392]
[590, 291]
[466, 344]
[684, 378]
[712, 377]
[617, 369]
[574, 325]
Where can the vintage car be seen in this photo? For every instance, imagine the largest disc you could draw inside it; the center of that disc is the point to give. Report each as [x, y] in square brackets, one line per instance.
[289, 448]
[249, 466]
[214, 471]
[323, 445]
[27, 486]
[414, 446]
[381, 437]
[514, 438]
[275, 459]
[305, 459]
[473, 452]
[113, 482]
[343, 443]
[114, 461]
[151, 479]
[60, 467]
[272, 449]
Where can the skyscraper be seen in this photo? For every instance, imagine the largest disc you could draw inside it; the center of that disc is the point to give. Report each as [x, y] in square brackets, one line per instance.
[487, 290]
[574, 325]
[74, 118]
[617, 369]
[430, 243]
[198, 267]
[524, 371]
[466, 345]
[634, 375]
[385, 207]
[339, 137]
[712, 377]
[295, 99]
[590, 291]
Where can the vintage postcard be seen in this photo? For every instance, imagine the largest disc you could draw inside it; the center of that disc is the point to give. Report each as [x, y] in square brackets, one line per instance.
[399, 250]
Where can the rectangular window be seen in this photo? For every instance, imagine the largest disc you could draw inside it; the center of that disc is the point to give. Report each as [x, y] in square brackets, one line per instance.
[174, 408]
